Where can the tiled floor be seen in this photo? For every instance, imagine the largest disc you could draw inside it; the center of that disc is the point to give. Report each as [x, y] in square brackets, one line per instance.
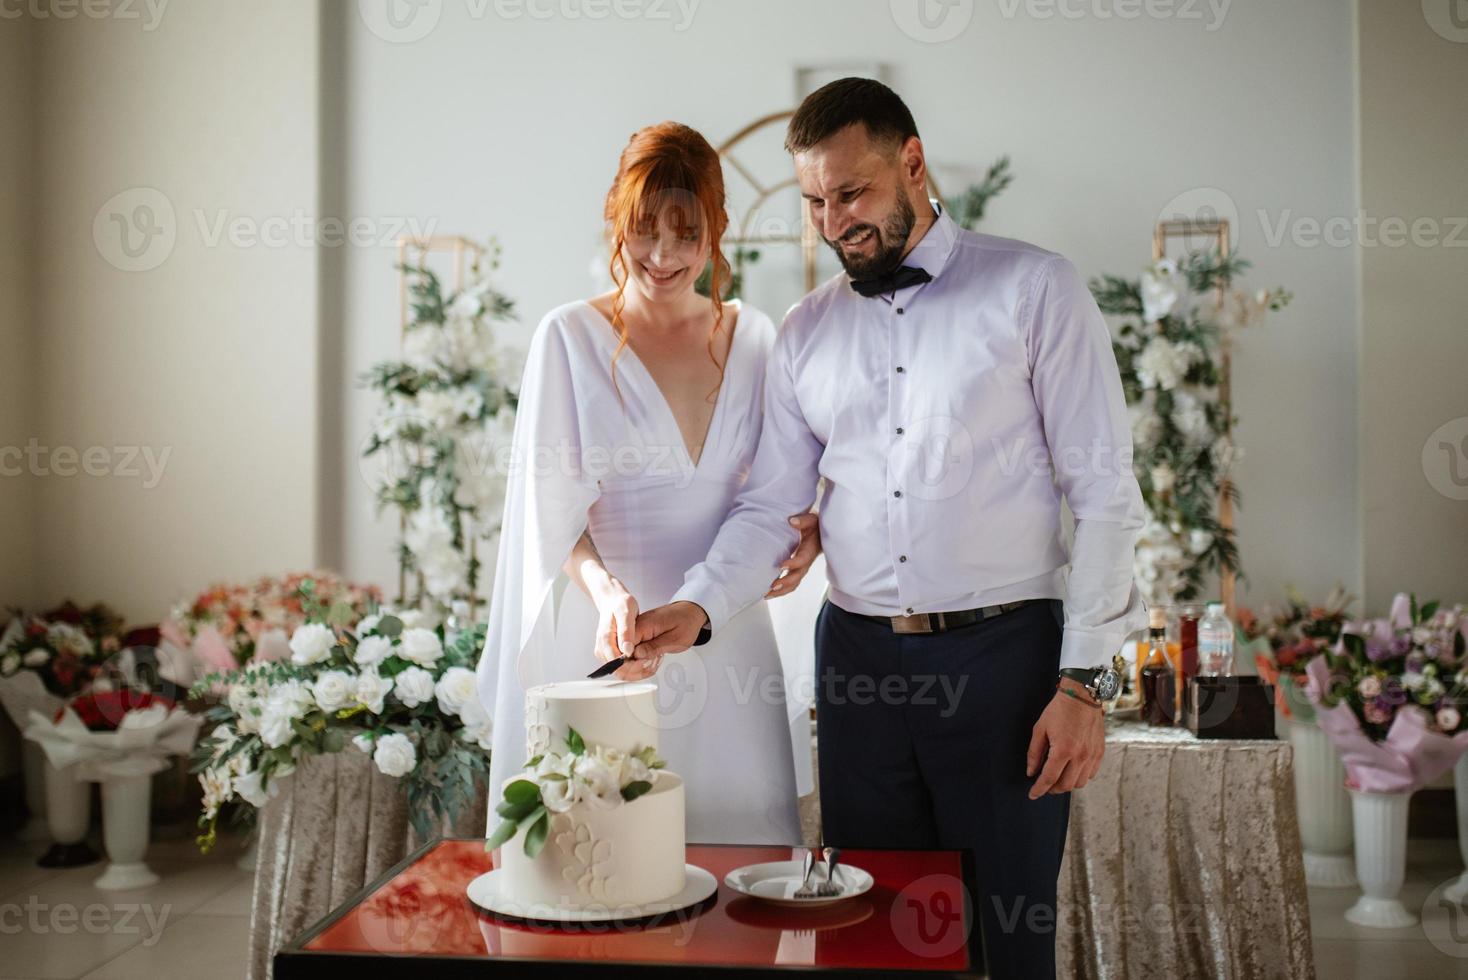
[195, 922]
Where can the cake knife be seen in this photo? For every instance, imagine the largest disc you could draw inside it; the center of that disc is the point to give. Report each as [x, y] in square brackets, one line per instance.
[611, 666]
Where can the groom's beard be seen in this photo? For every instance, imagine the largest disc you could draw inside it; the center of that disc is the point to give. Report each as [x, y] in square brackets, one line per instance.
[891, 241]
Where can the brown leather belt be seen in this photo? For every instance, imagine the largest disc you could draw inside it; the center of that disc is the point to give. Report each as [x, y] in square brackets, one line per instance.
[939, 622]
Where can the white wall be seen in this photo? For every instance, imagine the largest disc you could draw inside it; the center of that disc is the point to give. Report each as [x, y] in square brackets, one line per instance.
[1414, 339]
[240, 360]
[513, 126]
[208, 357]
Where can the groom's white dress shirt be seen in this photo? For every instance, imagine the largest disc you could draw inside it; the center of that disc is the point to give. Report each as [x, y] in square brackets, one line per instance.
[948, 419]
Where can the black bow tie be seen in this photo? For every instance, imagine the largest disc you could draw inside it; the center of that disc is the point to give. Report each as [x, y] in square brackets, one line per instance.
[899, 278]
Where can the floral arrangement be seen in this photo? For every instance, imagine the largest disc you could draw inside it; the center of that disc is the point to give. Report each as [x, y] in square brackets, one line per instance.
[1391, 694]
[102, 709]
[1298, 631]
[66, 652]
[448, 412]
[1168, 350]
[397, 686]
[232, 625]
[598, 776]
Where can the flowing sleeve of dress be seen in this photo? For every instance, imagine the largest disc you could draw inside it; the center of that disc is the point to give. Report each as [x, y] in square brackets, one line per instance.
[547, 498]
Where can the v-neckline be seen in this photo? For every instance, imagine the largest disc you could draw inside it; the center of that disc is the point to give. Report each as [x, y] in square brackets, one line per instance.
[670, 417]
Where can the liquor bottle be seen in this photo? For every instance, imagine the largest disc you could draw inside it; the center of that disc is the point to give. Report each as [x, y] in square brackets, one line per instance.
[1187, 666]
[1157, 672]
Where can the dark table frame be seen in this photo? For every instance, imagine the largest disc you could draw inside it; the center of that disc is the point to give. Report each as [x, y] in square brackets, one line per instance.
[294, 962]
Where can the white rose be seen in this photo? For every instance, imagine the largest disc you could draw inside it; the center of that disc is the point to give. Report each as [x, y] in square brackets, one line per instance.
[373, 650]
[1163, 478]
[421, 646]
[311, 644]
[251, 789]
[1199, 541]
[333, 689]
[372, 687]
[367, 624]
[363, 741]
[395, 755]
[275, 726]
[9, 664]
[37, 658]
[1161, 364]
[414, 686]
[601, 784]
[455, 689]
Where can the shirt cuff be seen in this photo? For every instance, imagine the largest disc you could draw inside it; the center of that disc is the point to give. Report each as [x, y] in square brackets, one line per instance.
[1084, 648]
[710, 598]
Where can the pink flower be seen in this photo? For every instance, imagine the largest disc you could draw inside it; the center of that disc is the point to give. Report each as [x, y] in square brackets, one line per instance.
[1448, 719]
[1369, 686]
[1376, 714]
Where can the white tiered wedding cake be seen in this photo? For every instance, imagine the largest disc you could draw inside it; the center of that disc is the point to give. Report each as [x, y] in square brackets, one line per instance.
[595, 821]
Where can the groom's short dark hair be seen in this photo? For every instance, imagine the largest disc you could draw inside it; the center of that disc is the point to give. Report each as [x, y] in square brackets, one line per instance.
[833, 107]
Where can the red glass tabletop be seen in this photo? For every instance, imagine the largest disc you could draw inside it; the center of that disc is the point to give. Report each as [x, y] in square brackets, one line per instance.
[914, 919]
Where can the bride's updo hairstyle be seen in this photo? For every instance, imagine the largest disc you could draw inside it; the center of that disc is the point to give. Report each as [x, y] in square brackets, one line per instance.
[668, 174]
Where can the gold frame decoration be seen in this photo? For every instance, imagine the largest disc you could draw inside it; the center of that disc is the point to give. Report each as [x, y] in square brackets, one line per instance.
[1218, 231]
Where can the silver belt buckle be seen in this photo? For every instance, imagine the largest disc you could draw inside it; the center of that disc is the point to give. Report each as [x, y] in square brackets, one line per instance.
[916, 623]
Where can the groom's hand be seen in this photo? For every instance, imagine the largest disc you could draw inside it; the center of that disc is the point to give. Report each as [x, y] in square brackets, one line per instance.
[669, 629]
[1067, 744]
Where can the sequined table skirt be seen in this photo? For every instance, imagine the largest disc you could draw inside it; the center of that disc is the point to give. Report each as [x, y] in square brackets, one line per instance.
[1183, 861]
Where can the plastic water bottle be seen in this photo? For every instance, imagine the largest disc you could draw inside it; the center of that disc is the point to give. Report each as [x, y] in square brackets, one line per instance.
[1215, 643]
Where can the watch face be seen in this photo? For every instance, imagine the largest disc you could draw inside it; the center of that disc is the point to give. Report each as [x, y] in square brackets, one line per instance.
[1108, 685]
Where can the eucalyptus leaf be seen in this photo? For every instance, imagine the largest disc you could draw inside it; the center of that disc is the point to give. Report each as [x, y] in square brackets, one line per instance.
[632, 791]
[536, 836]
[522, 791]
[501, 834]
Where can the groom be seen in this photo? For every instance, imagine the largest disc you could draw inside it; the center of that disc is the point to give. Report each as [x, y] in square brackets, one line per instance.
[950, 387]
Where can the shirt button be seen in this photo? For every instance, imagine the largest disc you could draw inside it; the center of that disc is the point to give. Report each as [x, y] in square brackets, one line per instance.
[909, 610]
[896, 493]
[900, 369]
[902, 558]
[899, 311]
[899, 430]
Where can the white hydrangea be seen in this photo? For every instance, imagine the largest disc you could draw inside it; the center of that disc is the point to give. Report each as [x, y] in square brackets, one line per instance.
[1191, 418]
[1161, 364]
[1161, 288]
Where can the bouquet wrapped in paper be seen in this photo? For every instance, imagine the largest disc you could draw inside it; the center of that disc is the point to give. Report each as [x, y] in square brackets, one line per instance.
[1284, 639]
[112, 732]
[1390, 696]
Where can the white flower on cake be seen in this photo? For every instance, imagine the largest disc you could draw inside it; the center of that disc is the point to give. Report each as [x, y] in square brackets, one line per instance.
[603, 777]
[413, 687]
[395, 755]
[311, 644]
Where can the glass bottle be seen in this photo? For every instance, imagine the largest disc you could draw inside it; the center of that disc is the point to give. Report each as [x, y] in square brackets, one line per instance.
[1215, 643]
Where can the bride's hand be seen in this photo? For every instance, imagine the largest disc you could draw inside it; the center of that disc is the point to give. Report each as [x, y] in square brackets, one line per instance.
[616, 632]
[795, 567]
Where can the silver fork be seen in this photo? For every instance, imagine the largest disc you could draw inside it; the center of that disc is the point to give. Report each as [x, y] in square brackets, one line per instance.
[805, 890]
[829, 887]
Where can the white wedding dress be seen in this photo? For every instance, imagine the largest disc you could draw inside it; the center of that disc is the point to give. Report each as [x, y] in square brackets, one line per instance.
[584, 459]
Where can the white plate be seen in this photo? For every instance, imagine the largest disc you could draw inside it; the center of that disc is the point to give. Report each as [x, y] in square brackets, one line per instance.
[778, 881]
[488, 892]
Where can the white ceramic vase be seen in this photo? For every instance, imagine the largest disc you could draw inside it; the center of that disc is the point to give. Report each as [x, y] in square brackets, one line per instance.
[1458, 890]
[1381, 859]
[125, 832]
[68, 804]
[33, 772]
[1324, 807]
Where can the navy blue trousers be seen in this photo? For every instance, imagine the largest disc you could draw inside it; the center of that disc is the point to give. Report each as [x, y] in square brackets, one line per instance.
[922, 742]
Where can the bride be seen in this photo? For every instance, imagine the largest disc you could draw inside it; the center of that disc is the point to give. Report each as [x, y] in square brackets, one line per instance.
[639, 415]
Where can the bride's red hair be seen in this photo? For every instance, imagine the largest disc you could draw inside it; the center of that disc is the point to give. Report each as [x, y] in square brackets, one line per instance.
[668, 173]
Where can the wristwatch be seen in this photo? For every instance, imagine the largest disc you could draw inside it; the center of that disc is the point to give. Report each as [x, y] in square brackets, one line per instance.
[1102, 683]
